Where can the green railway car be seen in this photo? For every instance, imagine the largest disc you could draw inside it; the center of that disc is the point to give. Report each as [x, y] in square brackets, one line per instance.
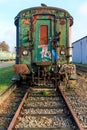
[7, 56]
[43, 42]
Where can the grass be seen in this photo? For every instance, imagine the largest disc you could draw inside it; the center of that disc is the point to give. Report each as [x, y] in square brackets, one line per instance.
[84, 65]
[6, 75]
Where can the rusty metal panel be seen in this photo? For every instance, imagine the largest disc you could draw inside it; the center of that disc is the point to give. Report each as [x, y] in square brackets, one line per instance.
[21, 69]
[43, 34]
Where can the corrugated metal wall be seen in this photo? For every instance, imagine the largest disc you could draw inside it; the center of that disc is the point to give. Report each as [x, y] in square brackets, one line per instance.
[79, 52]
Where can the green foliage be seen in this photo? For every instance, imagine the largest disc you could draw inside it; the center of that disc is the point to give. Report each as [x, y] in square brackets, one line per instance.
[84, 65]
[44, 92]
[2, 127]
[26, 102]
[6, 75]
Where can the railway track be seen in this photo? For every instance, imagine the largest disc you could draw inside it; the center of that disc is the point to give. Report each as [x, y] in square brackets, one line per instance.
[77, 96]
[44, 109]
[80, 108]
[81, 68]
[5, 94]
[9, 106]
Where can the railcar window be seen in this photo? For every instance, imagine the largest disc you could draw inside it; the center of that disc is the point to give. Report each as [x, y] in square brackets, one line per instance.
[44, 34]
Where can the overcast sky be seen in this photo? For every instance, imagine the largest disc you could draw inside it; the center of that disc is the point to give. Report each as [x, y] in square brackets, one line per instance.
[10, 8]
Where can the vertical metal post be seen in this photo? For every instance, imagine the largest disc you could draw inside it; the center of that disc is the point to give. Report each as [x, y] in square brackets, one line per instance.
[17, 40]
[67, 38]
[31, 40]
[55, 53]
[38, 75]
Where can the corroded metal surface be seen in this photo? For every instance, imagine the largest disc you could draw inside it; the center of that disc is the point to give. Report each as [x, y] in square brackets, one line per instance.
[21, 69]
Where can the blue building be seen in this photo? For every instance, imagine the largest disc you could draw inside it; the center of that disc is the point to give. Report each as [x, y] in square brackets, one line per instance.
[79, 52]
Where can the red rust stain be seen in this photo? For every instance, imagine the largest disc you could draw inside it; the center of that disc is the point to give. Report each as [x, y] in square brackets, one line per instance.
[50, 17]
[34, 19]
[44, 34]
[26, 21]
[62, 22]
[21, 69]
[21, 48]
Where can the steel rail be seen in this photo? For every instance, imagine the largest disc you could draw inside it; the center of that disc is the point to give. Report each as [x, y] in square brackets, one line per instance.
[72, 111]
[18, 111]
[81, 68]
[5, 94]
